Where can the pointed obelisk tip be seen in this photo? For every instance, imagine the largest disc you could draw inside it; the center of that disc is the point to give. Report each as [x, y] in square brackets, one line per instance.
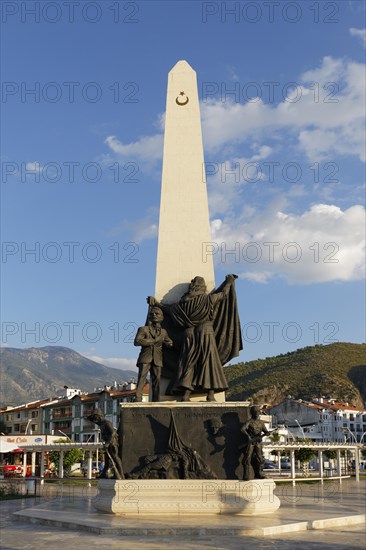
[182, 66]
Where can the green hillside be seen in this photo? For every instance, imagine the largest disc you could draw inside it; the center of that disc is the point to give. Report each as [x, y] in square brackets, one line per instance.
[337, 370]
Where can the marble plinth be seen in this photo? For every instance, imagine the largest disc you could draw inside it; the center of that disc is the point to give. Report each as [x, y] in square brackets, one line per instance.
[178, 496]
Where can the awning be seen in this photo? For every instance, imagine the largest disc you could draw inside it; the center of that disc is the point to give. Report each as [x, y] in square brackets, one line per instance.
[6, 447]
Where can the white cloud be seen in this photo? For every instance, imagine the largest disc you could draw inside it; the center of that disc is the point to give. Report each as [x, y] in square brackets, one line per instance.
[227, 177]
[322, 244]
[160, 123]
[329, 110]
[256, 276]
[297, 190]
[147, 148]
[318, 143]
[34, 166]
[328, 71]
[360, 34]
[114, 362]
[356, 6]
[326, 122]
[232, 72]
[141, 229]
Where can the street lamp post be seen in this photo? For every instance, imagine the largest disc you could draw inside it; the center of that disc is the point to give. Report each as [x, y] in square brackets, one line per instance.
[61, 461]
[27, 426]
[301, 428]
[63, 433]
[346, 429]
[290, 433]
[97, 451]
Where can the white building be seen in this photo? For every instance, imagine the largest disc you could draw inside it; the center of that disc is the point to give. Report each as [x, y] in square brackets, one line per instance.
[321, 420]
[348, 422]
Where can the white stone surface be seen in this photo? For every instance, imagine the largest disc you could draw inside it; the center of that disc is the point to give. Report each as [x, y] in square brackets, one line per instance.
[179, 496]
[184, 220]
[189, 405]
[74, 510]
[338, 522]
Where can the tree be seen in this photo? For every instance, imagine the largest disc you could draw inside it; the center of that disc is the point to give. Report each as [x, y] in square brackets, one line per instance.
[283, 453]
[274, 437]
[304, 454]
[70, 457]
[331, 454]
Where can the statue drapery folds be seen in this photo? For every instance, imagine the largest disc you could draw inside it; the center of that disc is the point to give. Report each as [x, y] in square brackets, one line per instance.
[205, 329]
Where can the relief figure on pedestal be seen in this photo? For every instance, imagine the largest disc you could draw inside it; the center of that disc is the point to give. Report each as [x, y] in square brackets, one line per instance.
[254, 430]
[110, 440]
[176, 461]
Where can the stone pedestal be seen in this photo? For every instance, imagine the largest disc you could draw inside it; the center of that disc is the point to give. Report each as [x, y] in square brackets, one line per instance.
[213, 430]
[186, 497]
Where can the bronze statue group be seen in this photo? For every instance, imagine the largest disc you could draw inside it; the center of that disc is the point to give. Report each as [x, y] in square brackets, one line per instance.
[189, 342]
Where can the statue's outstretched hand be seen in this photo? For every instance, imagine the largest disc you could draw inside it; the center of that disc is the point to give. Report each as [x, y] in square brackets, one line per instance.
[151, 300]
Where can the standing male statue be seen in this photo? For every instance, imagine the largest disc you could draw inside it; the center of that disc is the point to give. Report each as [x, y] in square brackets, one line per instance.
[254, 429]
[151, 338]
[207, 328]
[110, 439]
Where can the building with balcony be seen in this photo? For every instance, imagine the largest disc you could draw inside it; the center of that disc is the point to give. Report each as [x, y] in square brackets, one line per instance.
[24, 419]
[69, 416]
[321, 420]
[349, 422]
[66, 415]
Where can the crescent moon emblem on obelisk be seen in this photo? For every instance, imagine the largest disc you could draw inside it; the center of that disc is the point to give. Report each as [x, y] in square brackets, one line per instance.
[179, 100]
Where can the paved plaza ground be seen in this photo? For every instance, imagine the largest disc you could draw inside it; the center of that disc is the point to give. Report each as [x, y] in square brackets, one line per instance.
[345, 499]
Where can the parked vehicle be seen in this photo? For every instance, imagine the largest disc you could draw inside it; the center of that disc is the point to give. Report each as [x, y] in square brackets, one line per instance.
[269, 465]
[285, 464]
[96, 468]
[15, 470]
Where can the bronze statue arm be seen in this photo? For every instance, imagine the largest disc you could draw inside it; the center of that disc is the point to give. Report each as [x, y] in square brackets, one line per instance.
[219, 296]
[244, 431]
[265, 431]
[251, 438]
[153, 301]
[107, 435]
[229, 280]
[142, 339]
[168, 341]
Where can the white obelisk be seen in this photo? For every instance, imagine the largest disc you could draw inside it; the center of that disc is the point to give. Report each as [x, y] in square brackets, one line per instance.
[184, 228]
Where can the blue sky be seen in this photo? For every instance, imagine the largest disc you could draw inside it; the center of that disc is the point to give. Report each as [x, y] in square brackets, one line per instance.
[282, 106]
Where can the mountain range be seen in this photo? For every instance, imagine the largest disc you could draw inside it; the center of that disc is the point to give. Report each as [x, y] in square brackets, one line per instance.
[336, 370]
[39, 373]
